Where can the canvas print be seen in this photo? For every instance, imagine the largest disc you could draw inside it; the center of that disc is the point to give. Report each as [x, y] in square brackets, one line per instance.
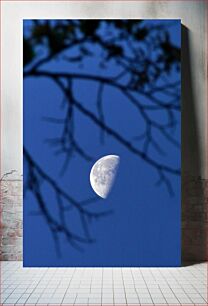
[101, 112]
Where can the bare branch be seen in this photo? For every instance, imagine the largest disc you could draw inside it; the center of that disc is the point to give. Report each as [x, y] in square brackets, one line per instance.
[36, 174]
[100, 109]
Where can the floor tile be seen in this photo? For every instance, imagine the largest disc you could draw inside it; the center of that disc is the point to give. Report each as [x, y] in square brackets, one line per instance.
[132, 286]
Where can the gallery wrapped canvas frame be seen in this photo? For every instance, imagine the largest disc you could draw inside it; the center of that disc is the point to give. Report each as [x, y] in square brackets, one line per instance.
[94, 89]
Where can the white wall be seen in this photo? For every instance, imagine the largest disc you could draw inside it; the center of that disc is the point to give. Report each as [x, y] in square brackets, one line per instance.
[191, 13]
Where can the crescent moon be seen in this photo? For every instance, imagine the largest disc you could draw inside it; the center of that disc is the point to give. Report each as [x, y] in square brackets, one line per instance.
[103, 173]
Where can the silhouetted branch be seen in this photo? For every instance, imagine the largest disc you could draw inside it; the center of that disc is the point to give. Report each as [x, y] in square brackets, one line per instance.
[100, 109]
[67, 144]
[161, 168]
[140, 107]
[36, 175]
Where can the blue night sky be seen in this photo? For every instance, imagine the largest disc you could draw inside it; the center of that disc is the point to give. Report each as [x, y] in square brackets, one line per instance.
[145, 227]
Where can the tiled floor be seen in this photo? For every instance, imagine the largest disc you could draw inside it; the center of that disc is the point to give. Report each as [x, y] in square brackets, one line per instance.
[103, 286]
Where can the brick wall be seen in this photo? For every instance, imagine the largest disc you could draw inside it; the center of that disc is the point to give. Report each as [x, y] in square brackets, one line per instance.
[11, 220]
[194, 219]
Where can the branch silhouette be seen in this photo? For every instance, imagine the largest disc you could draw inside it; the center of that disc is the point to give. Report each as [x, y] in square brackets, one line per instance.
[145, 58]
[33, 183]
[161, 169]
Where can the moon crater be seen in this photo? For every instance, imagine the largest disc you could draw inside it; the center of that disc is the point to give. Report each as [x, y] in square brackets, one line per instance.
[103, 174]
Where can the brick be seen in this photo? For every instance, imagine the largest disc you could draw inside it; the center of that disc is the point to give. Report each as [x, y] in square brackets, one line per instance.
[11, 220]
[194, 218]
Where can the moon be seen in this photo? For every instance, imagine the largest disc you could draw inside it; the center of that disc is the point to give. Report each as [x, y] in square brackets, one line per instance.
[103, 173]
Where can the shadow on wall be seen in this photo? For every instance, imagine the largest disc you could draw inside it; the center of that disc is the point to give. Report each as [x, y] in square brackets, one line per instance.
[194, 199]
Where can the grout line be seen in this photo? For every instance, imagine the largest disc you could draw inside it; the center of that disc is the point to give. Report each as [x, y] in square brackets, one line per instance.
[123, 284]
[140, 269]
[102, 287]
[16, 276]
[169, 286]
[69, 285]
[113, 284]
[135, 286]
[182, 286]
